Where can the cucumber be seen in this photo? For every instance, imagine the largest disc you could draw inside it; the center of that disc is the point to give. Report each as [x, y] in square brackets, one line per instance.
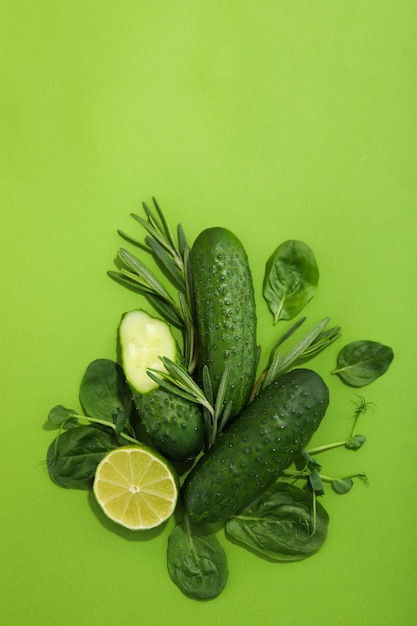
[257, 446]
[225, 313]
[174, 425]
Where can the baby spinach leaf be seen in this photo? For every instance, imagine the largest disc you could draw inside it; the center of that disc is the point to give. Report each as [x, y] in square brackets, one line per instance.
[73, 456]
[361, 362]
[197, 563]
[104, 392]
[291, 278]
[283, 524]
[120, 420]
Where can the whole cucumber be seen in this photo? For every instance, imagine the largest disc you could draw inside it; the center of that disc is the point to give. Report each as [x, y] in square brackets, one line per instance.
[258, 445]
[225, 312]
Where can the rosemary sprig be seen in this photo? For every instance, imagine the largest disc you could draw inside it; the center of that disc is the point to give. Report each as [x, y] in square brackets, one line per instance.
[306, 348]
[176, 379]
[172, 255]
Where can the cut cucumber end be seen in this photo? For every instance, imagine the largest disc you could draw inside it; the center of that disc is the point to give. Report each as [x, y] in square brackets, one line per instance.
[143, 339]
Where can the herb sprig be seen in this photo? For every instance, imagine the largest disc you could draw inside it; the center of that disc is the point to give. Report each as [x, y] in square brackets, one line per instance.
[177, 380]
[311, 470]
[171, 253]
[314, 342]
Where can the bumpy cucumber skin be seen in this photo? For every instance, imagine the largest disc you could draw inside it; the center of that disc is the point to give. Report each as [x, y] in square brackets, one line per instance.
[174, 425]
[256, 447]
[225, 312]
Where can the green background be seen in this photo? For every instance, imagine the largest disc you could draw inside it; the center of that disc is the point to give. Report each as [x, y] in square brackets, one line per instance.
[277, 119]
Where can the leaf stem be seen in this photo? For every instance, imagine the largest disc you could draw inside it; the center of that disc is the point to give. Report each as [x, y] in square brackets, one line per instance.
[328, 446]
[96, 420]
[328, 479]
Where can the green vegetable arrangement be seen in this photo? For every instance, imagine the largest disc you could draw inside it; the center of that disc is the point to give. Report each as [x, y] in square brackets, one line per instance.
[185, 381]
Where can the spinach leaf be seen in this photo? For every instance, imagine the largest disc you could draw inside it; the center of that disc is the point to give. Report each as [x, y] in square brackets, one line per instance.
[291, 278]
[73, 456]
[197, 563]
[361, 362]
[284, 523]
[104, 392]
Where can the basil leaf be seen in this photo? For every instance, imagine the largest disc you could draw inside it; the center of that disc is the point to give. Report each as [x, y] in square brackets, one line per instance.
[197, 563]
[281, 524]
[73, 456]
[104, 392]
[361, 362]
[291, 278]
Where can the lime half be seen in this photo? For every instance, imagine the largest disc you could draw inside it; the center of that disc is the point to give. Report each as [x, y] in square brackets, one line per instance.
[136, 487]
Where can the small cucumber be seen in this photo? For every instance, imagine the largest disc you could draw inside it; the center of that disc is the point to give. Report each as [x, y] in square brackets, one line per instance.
[225, 312]
[174, 425]
[260, 443]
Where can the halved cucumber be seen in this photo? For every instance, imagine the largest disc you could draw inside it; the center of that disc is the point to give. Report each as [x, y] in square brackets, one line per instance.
[174, 425]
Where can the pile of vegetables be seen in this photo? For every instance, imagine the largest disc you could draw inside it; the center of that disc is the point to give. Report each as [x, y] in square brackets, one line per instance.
[186, 381]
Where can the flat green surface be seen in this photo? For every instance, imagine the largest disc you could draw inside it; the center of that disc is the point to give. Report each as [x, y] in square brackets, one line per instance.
[275, 119]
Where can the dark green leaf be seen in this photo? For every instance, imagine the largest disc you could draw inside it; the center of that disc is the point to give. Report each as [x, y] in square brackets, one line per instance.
[278, 363]
[221, 392]
[355, 442]
[207, 385]
[171, 387]
[104, 391]
[127, 280]
[197, 563]
[131, 239]
[182, 240]
[361, 362]
[144, 275]
[288, 333]
[316, 482]
[291, 278]
[224, 417]
[322, 342]
[166, 310]
[164, 228]
[342, 485]
[61, 416]
[73, 457]
[151, 225]
[120, 420]
[165, 259]
[312, 463]
[281, 524]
